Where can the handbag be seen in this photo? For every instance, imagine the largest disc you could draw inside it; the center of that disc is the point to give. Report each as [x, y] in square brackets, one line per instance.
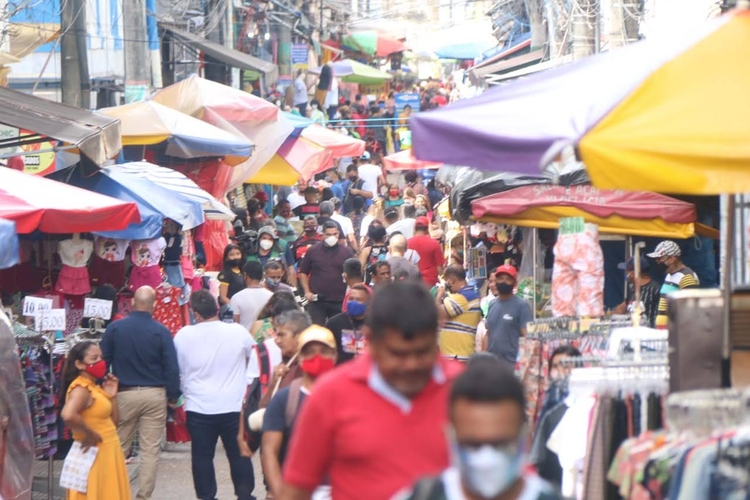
[255, 420]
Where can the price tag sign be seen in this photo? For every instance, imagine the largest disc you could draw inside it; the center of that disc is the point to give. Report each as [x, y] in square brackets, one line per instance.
[33, 304]
[50, 320]
[97, 308]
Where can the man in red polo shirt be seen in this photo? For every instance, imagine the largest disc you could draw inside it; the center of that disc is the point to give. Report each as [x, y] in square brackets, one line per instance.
[431, 258]
[377, 423]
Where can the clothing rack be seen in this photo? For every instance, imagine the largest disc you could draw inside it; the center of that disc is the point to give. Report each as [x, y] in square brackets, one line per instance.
[651, 375]
[699, 413]
[23, 335]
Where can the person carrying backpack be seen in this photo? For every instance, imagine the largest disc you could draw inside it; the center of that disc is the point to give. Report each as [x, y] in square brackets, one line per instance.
[317, 355]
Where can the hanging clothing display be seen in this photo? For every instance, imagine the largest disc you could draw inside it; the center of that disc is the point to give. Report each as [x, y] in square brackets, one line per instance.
[188, 255]
[173, 260]
[74, 275]
[578, 274]
[167, 309]
[108, 264]
[146, 255]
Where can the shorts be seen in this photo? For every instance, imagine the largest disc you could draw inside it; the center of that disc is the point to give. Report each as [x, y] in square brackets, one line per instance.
[144, 276]
[73, 281]
[174, 274]
[105, 272]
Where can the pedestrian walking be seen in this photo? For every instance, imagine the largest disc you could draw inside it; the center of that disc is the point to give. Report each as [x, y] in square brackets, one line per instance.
[213, 356]
[317, 355]
[487, 417]
[141, 353]
[376, 424]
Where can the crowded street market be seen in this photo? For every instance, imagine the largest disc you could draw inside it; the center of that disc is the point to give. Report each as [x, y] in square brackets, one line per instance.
[356, 258]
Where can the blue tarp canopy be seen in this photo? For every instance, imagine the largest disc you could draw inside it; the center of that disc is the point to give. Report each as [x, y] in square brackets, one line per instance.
[9, 250]
[469, 50]
[299, 123]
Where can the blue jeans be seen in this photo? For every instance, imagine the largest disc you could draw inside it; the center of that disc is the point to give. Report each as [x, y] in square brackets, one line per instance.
[205, 431]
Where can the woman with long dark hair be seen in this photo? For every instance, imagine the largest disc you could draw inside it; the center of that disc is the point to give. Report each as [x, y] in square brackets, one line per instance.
[230, 278]
[90, 410]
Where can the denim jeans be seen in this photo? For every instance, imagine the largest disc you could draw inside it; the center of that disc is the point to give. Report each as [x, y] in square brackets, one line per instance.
[205, 431]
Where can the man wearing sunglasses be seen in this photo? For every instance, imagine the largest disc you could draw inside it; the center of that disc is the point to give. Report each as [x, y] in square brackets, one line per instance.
[487, 440]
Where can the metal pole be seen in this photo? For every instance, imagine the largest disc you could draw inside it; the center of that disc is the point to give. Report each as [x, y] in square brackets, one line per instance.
[137, 64]
[73, 53]
[320, 15]
[727, 267]
[534, 244]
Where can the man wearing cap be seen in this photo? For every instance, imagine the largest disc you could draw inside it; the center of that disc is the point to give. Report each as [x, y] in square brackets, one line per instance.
[309, 237]
[317, 355]
[507, 318]
[458, 306]
[649, 291]
[431, 258]
[677, 276]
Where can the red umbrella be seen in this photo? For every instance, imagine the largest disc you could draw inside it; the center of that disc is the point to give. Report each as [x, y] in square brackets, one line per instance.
[35, 202]
[404, 160]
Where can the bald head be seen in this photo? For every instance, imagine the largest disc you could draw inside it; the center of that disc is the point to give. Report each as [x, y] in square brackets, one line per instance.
[398, 245]
[144, 299]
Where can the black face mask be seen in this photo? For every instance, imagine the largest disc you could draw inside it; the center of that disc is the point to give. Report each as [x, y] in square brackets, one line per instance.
[662, 266]
[234, 262]
[504, 288]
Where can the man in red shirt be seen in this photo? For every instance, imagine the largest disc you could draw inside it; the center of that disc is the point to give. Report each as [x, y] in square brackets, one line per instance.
[377, 423]
[431, 258]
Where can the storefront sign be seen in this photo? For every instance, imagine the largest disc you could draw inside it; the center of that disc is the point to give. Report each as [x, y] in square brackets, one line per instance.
[41, 163]
[32, 305]
[299, 56]
[51, 320]
[97, 308]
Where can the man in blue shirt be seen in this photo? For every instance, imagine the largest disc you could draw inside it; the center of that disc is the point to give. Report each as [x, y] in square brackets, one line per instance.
[141, 353]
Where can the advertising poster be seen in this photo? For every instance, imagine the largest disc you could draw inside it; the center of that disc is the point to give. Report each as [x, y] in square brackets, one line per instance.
[299, 56]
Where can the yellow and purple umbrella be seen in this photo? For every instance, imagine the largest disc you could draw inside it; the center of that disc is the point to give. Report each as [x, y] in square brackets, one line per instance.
[665, 114]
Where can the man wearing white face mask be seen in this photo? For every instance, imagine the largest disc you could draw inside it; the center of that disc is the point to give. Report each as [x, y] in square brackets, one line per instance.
[320, 275]
[486, 435]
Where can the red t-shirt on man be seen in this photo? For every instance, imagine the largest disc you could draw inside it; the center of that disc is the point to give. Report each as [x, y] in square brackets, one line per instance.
[430, 257]
[367, 444]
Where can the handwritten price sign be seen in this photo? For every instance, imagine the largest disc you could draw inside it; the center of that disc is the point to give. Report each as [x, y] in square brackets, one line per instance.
[33, 304]
[50, 320]
[97, 308]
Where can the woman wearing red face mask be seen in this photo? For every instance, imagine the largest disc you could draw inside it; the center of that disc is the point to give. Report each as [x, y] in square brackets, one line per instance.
[90, 410]
[317, 355]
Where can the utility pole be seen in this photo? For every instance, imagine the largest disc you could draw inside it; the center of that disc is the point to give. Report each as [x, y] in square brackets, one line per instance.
[137, 61]
[74, 81]
[584, 19]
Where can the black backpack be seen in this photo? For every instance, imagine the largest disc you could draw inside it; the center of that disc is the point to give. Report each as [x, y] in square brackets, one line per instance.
[254, 394]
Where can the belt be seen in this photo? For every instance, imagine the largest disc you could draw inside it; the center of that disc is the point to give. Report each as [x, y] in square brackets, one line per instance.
[172, 263]
[124, 388]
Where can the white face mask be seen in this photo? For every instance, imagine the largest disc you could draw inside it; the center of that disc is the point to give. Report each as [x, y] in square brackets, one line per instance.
[266, 244]
[331, 240]
[488, 471]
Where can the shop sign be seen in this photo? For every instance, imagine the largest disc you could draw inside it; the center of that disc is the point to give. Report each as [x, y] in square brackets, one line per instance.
[49, 321]
[32, 305]
[41, 163]
[97, 308]
[299, 56]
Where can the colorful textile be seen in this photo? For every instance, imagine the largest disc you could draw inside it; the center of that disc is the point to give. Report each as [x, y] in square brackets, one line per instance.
[578, 275]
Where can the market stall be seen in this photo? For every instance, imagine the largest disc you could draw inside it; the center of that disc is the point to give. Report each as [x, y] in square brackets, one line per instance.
[9, 250]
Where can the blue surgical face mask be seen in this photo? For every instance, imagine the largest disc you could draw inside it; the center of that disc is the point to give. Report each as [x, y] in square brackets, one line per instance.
[272, 282]
[355, 309]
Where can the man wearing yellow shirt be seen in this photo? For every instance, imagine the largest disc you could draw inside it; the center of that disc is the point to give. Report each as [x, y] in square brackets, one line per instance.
[459, 309]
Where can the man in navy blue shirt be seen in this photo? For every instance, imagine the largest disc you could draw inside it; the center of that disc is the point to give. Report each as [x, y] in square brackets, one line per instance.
[141, 353]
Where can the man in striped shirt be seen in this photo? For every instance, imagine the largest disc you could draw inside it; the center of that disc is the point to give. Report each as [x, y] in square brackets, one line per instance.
[460, 312]
[650, 292]
[678, 276]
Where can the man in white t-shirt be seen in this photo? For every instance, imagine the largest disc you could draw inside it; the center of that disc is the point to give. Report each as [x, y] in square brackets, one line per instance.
[212, 356]
[247, 304]
[371, 174]
[406, 225]
[297, 198]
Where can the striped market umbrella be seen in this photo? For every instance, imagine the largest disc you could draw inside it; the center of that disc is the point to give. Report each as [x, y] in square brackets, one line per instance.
[373, 43]
[665, 115]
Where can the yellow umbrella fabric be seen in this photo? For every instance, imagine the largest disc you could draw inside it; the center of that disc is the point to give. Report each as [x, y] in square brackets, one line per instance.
[276, 172]
[681, 130]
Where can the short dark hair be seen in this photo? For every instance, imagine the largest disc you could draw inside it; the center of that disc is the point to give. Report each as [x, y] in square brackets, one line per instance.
[253, 205]
[358, 202]
[409, 210]
[567, 349]
[331, 225]
[274, 265]
[381, 263]
[405, 307]
[204, 304]
[310, 190]
[352, 267]
[352, 168]
[455, 271]
[253, 270]
[410, 176]
[282, 202]
[488, 382]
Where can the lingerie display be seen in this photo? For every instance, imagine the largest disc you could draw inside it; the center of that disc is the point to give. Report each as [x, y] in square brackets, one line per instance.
[145, 255]
[74, 275]
[108, 264]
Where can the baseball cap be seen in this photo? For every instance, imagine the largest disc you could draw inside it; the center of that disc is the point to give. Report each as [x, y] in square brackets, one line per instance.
[422, 222]
[261, 196]
[507, 269]
[631, 264]
[317, 333]
[267, 230]
[666, 249]
[365, 155]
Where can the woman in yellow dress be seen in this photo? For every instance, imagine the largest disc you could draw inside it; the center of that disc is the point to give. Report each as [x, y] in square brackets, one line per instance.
[91, 412]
